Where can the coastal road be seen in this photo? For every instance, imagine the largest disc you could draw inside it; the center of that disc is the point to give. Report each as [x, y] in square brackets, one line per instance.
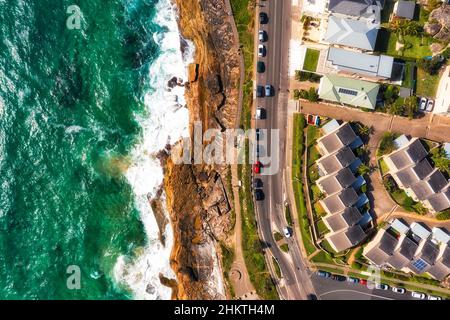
[270, 213]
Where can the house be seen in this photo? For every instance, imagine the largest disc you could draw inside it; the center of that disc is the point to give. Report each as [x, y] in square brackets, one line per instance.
[442, 103]
[425, 257]
[339, 201]
[403, 253]
[411, 175]
[406, 156]
[429, 186]
[415, 249]
[332, 163]
[353, 92]
[441, 268]
[331, 184]
[351, 33]
[346, 239]
[343, 220]
[368, 9]
[380, 248]
[357, 63]
[438, 202]
[341, 137]
[404, 9]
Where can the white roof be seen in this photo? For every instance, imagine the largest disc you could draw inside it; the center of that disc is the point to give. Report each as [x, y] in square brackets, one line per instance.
[419, 230]
[330, 126]
[399, 226]
[440, 235]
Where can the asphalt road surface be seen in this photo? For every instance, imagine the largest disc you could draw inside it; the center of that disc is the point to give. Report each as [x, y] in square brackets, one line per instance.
[327, 289]
[296, 283]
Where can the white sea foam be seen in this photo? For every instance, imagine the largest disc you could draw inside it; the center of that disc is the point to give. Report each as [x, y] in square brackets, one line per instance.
[166, 123]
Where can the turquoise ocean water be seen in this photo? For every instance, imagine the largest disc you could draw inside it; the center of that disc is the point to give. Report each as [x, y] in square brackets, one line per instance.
[69, 100]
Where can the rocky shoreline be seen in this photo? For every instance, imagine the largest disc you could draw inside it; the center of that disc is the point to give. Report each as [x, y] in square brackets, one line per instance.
[196, 195]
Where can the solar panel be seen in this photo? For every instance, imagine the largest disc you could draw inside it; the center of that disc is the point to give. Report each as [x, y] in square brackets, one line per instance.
[420, 264]
[348, 91]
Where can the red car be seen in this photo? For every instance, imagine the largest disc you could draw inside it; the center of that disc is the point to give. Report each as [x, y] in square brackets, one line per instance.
[363, 282]
[257, 167]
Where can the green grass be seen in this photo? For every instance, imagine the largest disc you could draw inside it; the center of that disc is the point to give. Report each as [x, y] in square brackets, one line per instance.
[284, 247]
[297, 153]
[403, 200]
[251, 244]
[420, 46]
[287, 213]
[311, 60]
[319, 211]
[277, 236]
[383, 167]
[227, 261]
[444, 215]
[322, 257]
[426, 84]
[322, 228]
[408, 81]
[276, 267]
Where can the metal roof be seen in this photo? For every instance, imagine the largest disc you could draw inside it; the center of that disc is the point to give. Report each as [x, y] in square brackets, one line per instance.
[399, 226]
[361, 63]
[351, 33]
[356, 8]
[419, 230]
[354, 92]
[405, 9]
[440, 235]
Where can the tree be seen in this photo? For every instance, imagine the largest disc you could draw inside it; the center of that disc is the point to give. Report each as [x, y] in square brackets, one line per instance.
[363, 170]
[441, 161]
[411, 106]
[389, 184]
[387, 143]
[313, 96]
[433, 65]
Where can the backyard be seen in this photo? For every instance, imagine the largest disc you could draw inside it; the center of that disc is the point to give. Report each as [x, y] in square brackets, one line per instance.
[427, 84]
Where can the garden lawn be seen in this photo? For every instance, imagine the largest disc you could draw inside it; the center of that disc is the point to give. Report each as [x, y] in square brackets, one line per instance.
[417, 51]
[311, 60]
[426, 84]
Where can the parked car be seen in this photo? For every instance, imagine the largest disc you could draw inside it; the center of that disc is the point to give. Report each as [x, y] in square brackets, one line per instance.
[260, 113]
[259, 195]
[257, 167]
[418, 295]
[268, 89]
[263, 18]
[423, 104]
[259, 91]
[258, 134]
[257, 183]
[323, 274]
[434, 298]
[338, 277]
[260, 67]
[352, 280]
[363, 282]
[261, 51]
[262, 36]
[381, 286]
[398, 290]
[287, 232]
[430, 105]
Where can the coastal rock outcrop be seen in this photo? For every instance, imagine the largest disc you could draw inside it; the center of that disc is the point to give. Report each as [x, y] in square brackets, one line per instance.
[438, 24]
[197, 195]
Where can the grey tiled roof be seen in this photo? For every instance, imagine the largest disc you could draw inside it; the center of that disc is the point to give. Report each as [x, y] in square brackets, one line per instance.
[356, 8]
[334, 183]
[440, 201]
[409, 155]
[412, 175]
[344, 219]
[434, 183]
[339, 201]
[341, 159]
[339, 138]
[348, 238]
[441, 268]
[380, 253]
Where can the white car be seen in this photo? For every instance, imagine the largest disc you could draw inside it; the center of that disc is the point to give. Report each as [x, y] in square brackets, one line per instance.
[434, 298]
[261, 51]
[430, 105]
[262, 35]
[398, 290]
[259, 113]
[287, 232]
[381, 286]
[423, 104]
[418, 295]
